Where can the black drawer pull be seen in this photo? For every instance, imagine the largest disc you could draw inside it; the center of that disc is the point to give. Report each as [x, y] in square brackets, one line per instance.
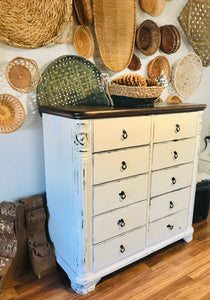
[171, 227]
[122, 195]
[171, 204]
[122, 249]
[121, 223]
[173, 180]
[175, 155]
[124, 166]
[177, 128]
[124, 134]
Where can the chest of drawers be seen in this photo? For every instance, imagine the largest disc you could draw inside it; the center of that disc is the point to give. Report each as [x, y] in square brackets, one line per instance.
[120, 184]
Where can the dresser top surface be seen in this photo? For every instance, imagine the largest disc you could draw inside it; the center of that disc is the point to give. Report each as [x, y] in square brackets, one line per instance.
[97, 112]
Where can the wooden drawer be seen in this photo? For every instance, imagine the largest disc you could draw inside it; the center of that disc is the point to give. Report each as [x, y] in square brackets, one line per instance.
[175, 126]
[168, 226]
[118, 248]
[121, 193]
[119, 221]
[173, 153]
[120, 133]
[169, 203]
[119, 164]
[171, 179]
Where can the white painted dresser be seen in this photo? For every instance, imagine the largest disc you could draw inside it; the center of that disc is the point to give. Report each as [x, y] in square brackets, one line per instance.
[120, 184]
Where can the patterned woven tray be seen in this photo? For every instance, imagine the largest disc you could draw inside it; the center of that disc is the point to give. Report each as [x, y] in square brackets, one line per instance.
[195, 22]
[71, 80]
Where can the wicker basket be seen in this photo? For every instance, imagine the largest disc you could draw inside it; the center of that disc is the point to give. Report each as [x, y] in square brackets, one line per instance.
[153, 7]
[12, 113]
[23, 74]
[194, 20]
[157, 66]
[33, 24]
[148, 37]
[130, 96]
[83, 11]
[170, 39]
[83, 41]
[115, 26]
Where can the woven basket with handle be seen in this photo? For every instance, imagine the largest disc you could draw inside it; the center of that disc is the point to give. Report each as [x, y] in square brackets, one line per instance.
[33, 24]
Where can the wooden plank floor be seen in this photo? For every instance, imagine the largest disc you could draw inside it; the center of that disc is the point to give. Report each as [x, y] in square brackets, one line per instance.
[180, 271]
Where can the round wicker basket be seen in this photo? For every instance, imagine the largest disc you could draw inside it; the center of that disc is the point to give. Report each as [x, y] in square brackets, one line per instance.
[187, 74]
[83, 41]
[33, 24]
[83, 11]
[173, 99]
[157, 66]
[12, 113]
[170, 39]
[153, 7]
[23, 74]
[148, 37]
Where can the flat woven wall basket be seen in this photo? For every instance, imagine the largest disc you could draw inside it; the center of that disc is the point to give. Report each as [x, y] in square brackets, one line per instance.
[33, 24]
[195, 22]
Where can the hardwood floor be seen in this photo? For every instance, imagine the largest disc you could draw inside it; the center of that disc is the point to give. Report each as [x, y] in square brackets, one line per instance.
[180, 271]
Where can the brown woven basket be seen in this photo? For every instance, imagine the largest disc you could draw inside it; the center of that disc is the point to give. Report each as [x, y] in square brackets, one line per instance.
[173, 99]
[121, 95]
[135, 63]
[33, 24]
[23, 74]
[158, 66]
[148, 37]
[170, 39]
[83, 41]
[194, 20]
[153, 7]
[83, 11]
[115, 25]
[12, 113]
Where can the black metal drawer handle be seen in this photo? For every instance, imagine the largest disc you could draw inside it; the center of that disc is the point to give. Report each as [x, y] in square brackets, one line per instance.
[124, 166]
[177, 128]
[124, 134]
[122, 249]
[121, 223]
[175, 155]
[122, 195]
[171, 227]
[173, 180]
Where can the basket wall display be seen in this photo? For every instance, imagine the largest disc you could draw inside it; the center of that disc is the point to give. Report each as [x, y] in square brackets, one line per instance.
[83, 41]
[195, 22]
[187, 74]
[71, 80]
[133, 90]
[148, 37]
[153, 7]
[83, 12]
[12, 113]
[23, 74]
[158, 66]
[33, 24]
[115, 25]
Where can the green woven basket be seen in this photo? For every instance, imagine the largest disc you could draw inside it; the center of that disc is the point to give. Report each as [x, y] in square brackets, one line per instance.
[71, 80]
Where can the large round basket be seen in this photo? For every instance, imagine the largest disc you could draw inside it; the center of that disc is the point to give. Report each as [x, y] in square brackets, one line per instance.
[33, 24]
[187, 74]
[12, 113]
[115, 26]
[23, 74]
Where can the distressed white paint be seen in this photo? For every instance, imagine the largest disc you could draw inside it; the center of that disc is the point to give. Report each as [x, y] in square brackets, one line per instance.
[87, 237]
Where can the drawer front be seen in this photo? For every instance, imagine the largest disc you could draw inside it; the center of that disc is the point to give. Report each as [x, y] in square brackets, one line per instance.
[168, 226]
[171, 179]
[120, 133]
[117, 194]
[120, 164]
[173, 153]
[118, 248]
[119, 221]
[175, 126]
[169, 203]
